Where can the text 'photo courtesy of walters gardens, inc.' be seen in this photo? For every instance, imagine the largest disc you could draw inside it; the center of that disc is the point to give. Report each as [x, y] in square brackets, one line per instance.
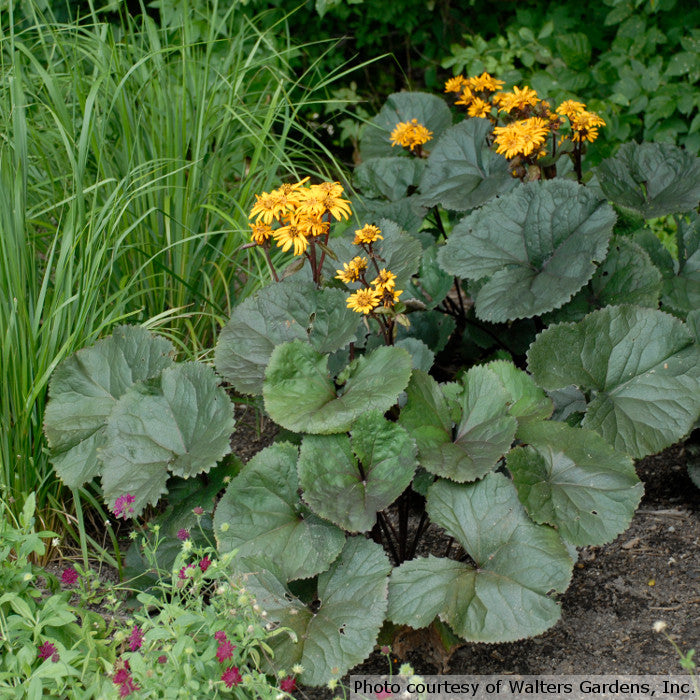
[513, 687]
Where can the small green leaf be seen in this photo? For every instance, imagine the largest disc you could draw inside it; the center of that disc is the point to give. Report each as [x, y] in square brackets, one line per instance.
[430, 111]
[342, 631]
[266, 519]
[463, 172]
[348, 480]
[85, 388]
[652, 179]
[537, 245]
[184, 426]
[300, 395]
[500, 600]
[641, 364]
[572, 479]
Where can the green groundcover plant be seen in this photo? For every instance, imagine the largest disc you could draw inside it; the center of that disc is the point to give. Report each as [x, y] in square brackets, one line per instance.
[197, 633]
[481, 359]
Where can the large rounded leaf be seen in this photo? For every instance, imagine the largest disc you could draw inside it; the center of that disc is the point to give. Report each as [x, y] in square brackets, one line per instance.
[300, 395]
[261, 516]
[184, 426]
[391, 177]
[572, 479]
[429, 110]
[640, 364]
[289, 310]
[537, 245]
[349, 480]
[483, 432]
[463, 172]
[653, 179]
[342, 629]
[85, 388]
[518, 564]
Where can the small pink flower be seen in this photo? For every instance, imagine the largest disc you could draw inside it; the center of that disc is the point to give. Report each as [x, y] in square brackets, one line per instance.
[288, 684]
[231, 676]
[135, 638]
[122, 506]
[55, 657]
[220, 636]
[382, 694]
[204, 564]
[127, 688]
[182, 574]
[385, 649]
[183, 534]
[198, 510]
[47, 650]
[162, 659]
[122, 672]
[69, 576]
[225, 651]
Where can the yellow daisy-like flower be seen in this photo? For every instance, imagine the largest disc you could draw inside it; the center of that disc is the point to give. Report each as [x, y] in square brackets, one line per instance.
[367, 234]
[264, 207]
[479, 108]
[312, 225]
[351, 271]
[389, 296]
[337, 206]
[518, 99]
[261, 232]
[521, 137]
[410, 134]
[465, 97]
[334, 188]
[291, 235]
[456, 84]
[385, 281]
[312, 201]
[585, 126]
[570, 108]
[363, 301]
[485, 83]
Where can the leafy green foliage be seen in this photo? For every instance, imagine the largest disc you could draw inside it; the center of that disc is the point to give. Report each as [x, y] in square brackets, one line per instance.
[301, 396]
[122, 411]
[573, 480]
[484, 603]
[537, 246]
[640, 367]
[260, 516]
[651, 179]
[339, 632]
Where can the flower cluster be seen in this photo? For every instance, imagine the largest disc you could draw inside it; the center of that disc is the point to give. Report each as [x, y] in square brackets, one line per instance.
[123, 678]
[411, 135]
[297, 213]
[224, 651]
[122, 506]
[528, 125]
[382, 289]
[48, 651]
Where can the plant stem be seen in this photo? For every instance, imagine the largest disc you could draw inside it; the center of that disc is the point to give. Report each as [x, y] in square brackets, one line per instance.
[419, 532]
[269, 263]
[383, 525]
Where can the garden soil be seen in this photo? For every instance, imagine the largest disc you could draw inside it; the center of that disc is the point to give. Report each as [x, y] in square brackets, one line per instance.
[651, 572]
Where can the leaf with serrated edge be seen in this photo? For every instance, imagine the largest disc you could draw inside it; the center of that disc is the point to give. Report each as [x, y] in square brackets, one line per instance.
[300, 396]
[538, 246]
[344, 629]
[484, 432]
[641, 364]
[330, 476]
[527, 401]
[572, 479]
[518, 563]
[184, 427]
[652, 179]
[292, 309]
[462, 171]
[85, 388]
[261, 509]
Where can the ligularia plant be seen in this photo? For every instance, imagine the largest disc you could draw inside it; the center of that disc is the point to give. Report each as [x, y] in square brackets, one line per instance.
[404, 415]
